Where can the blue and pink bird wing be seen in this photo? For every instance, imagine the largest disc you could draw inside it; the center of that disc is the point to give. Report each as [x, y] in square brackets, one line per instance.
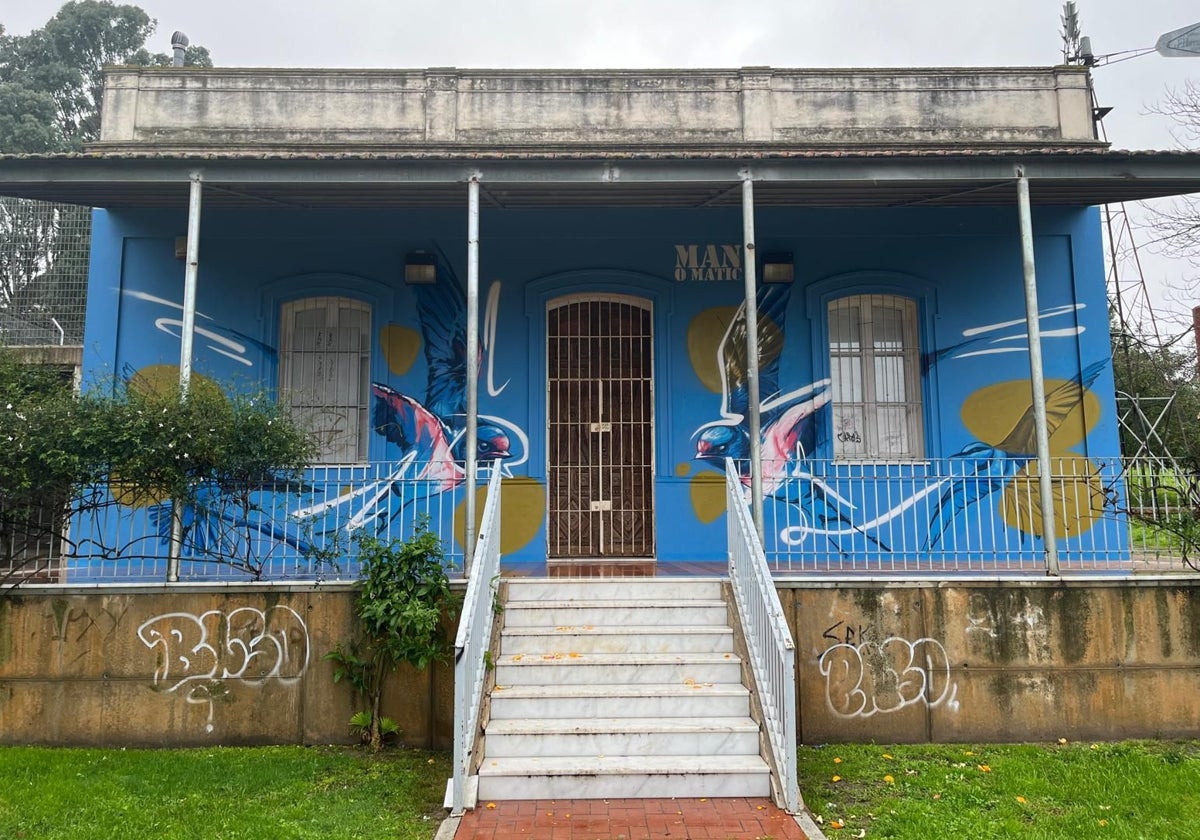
[772, 301]
[442, 311]
[406, 423]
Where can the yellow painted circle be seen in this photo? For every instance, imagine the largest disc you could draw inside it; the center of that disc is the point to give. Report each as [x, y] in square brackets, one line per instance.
[704, 335]
[163, 380]
[522, 509]
[997, 413]
[707, 490]
[1078, 497]
[400, 347]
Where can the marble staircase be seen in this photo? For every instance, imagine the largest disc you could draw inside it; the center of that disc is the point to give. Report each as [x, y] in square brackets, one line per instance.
[619, 688]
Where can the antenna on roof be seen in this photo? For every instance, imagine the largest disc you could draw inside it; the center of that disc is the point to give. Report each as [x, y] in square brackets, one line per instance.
[1077, 48]
[1070, 33]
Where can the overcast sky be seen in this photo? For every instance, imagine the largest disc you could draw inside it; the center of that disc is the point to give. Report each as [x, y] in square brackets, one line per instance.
[690, 33]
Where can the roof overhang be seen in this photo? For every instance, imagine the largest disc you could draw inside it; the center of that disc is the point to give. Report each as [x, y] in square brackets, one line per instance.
[517, 178]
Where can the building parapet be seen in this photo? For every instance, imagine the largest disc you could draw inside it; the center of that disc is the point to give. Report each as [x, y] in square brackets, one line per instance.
[221, 109]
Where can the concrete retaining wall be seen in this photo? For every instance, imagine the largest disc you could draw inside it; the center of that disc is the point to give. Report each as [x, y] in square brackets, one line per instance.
[144, 666]
[1011, 661]
[884, 661]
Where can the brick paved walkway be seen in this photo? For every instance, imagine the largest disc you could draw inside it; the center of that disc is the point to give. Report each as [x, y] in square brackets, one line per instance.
[629, 819]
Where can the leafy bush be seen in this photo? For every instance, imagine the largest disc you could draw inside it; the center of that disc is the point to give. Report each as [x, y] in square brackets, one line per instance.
[148, 444]
[405, 595]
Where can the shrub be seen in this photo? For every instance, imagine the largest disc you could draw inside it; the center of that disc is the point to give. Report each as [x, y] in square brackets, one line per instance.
[405, 595]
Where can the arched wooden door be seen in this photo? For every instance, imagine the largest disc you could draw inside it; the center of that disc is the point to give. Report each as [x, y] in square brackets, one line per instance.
[600, 428]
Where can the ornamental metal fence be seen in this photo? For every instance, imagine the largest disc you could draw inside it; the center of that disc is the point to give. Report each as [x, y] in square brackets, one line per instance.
[937, 517]
[302, 529]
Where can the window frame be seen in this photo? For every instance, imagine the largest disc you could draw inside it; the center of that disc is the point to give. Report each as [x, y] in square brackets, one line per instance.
[920, 377]
[863, 353]
[331, 304]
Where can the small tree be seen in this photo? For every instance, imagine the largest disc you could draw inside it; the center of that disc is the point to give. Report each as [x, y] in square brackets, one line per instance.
[404, 599]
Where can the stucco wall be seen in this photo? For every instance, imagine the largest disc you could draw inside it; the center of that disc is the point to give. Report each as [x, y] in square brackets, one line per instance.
[236, 666]
[889, 662]
[1025, 661]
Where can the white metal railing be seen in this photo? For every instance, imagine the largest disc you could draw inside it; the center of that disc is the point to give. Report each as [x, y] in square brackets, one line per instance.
[474, 639]
[768, 639]
[977, 512]
[960, 514]
[296, 529]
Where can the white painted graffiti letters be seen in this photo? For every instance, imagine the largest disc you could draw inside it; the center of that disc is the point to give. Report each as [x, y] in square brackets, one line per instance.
[245, 644]
[875, 677]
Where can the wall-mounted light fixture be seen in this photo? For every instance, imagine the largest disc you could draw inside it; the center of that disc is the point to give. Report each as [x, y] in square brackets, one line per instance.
[420, 267]
[778, 268]
[181, 247]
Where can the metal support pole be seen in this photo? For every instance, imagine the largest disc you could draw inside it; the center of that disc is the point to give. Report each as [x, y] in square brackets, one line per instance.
[187, 335]
[1036, 378]
[751, 306]
[188, 330]
[472, 432]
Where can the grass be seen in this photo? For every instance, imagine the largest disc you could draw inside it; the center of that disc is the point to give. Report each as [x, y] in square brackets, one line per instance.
[1125, 790]
[245, 793]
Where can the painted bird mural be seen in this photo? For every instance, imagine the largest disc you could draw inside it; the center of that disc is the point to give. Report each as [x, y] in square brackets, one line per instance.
[437, 447]
[986, 468]
[435, 430]
[238, 529]
[430, 435]
[729, 436]
[790, 422]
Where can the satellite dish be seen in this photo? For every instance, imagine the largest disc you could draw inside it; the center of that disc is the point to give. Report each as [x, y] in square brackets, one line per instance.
[1182, 43]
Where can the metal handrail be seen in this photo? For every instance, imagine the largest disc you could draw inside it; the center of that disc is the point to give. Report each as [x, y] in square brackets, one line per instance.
[474, 638]
[768, 639]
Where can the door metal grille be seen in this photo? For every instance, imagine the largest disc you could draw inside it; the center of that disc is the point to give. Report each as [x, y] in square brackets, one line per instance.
[600, 437]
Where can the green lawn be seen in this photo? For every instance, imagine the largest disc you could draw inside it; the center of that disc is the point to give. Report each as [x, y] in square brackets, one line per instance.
[274, 793]
[1126, 790]
[1123, 790]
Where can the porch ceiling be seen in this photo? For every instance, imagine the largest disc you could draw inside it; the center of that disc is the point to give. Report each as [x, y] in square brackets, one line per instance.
[537, 178]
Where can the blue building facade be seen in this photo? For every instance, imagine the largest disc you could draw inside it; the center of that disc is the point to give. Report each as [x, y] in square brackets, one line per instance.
[894, 377]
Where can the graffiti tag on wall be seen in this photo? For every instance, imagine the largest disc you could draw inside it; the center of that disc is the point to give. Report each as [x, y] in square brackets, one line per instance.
[877, 677]
[198, 653]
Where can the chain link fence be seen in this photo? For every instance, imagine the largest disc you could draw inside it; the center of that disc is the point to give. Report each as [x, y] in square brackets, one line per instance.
[43, 272]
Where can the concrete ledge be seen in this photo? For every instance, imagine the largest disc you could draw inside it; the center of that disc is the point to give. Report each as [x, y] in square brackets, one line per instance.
[168, 108]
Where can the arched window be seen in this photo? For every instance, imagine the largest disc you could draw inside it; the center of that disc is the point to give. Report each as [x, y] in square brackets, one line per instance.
[324, 372]
[874, 362]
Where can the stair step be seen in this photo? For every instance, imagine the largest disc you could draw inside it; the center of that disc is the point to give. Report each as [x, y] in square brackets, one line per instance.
[619, 688]
[569, 614]
[576, 668]
[560, 777]
[557, 589]
[616, 639]
[622, 736]
[629, 701]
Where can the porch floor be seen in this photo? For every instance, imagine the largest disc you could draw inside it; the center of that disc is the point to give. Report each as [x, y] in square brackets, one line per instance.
[629, 819]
